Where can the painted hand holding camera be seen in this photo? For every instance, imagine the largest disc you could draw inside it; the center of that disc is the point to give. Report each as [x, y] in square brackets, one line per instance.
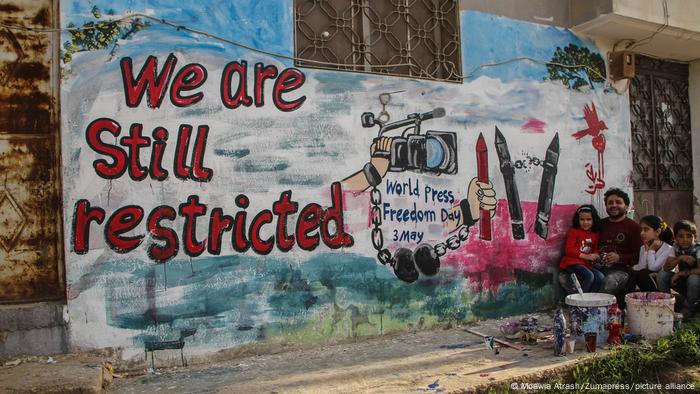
[434, 152]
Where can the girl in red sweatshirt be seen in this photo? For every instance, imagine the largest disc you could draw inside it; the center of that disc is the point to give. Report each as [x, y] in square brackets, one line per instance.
[582, 249]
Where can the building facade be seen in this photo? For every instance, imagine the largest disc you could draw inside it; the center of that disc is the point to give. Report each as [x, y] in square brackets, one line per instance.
[298, 171]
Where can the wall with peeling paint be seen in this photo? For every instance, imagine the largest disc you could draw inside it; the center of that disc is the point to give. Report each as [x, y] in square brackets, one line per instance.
[31, 266]
[257, 160]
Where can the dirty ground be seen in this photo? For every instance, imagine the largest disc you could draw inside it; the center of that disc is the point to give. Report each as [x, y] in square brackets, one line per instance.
[70, 373]
[450, 360]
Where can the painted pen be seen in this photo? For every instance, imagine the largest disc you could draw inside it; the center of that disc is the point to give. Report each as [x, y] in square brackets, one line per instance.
[512, 195]
[544, 202]
[482, 166]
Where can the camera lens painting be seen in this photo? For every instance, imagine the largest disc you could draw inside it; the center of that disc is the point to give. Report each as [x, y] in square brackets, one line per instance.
[435, 153]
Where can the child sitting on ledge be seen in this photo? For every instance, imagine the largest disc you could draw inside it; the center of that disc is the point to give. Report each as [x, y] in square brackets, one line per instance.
[682, 272]
[581, 249]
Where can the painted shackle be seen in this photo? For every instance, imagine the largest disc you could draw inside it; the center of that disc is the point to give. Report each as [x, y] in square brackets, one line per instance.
[408, 265]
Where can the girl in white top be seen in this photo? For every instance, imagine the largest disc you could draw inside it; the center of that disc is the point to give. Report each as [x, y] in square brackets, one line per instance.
[657, 239]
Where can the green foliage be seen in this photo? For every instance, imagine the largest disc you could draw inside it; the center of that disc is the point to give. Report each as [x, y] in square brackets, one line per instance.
[513, 298]
[98, 34]
[447, 308]
[647, 363]
[587, 67]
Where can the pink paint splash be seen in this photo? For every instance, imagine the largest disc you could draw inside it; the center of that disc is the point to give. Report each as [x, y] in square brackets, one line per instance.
[357, 203]
[533, 125]
[650, 297]
[488, 264]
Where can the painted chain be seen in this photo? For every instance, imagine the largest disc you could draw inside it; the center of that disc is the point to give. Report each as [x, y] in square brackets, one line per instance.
[384, 255]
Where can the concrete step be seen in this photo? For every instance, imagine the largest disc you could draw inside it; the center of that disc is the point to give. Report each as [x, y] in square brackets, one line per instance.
[33, 329]
[71, 373]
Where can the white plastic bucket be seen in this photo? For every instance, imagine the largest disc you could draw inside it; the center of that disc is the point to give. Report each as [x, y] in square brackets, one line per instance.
[650, 314]
[588, 312]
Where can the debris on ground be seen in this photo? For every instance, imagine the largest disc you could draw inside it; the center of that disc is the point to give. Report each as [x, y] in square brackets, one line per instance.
[13, 363]
[434, 385]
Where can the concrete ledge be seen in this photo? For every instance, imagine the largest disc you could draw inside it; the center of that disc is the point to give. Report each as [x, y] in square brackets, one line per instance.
[77, 373]
[41, 341]
[33, 329]
[31, 316]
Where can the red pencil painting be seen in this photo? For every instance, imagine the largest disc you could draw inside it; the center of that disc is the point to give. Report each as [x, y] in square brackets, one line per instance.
[482, 165]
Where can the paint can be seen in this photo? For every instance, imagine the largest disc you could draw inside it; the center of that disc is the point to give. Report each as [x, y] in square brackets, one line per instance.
[591, 339]
[650, 314]
[588, 313]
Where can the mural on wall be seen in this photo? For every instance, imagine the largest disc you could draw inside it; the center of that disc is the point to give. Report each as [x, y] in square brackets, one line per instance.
[595, 129]
[217, 196]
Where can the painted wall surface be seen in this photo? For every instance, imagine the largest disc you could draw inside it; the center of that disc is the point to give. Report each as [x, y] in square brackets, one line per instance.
[694, 97]
[144, 262]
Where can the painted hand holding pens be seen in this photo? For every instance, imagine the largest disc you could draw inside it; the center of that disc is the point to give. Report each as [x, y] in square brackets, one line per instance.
[482, 199]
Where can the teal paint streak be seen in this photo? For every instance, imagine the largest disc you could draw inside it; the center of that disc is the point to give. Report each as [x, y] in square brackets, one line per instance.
[334, 106]
[512, 299]
[261, 167]
[305, 143]
[322, 154]
[234, 153]
[246, 298]
[199, 298]
[333, 82]
[301, 180]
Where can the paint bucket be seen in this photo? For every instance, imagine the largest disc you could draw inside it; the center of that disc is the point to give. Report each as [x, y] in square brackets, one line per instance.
[591, 339]
[588, 312]
[650, 314]
[570, 346]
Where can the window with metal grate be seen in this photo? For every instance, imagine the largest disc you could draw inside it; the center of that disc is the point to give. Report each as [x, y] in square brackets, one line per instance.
[411, 38]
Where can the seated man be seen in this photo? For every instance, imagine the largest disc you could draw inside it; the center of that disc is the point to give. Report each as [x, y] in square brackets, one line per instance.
[619, 244]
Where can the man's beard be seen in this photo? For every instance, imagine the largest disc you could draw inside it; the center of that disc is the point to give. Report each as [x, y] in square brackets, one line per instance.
[620, 213]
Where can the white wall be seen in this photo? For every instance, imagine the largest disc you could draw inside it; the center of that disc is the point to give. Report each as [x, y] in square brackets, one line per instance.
[694, 93]
[683, 14]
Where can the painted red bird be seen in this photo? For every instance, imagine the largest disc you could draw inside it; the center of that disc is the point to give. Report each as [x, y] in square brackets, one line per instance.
[595, 127]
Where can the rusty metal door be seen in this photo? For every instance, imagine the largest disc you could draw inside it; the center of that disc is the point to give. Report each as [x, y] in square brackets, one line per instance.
[31, 257]
[661, 150]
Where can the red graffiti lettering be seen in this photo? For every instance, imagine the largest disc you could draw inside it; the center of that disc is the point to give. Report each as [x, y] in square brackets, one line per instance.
[122, 221]
[241, 96]
[117, 154]
[191, 210]
[282, 209]
[309, 220]
[135, 141]
[82, 216]
[165, 252]
[288, 81]
[147, 81]
[314, 224]
[188, 78]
